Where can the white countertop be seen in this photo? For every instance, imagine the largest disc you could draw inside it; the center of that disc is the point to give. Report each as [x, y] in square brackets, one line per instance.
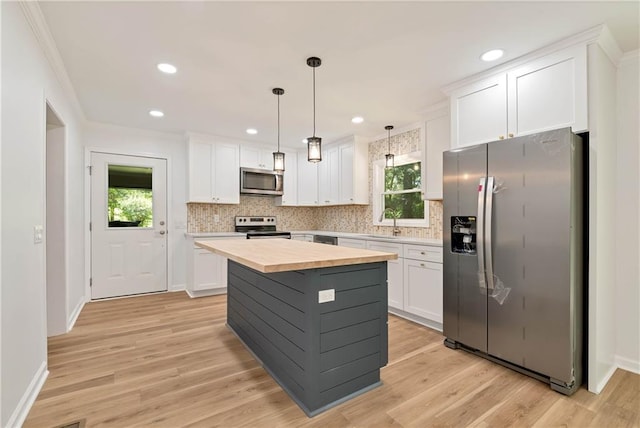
[369, 237]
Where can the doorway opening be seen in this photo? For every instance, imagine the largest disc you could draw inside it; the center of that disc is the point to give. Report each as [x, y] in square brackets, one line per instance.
[55, 230]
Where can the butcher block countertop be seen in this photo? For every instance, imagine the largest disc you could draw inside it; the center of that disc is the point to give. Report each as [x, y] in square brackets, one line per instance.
[280, 255]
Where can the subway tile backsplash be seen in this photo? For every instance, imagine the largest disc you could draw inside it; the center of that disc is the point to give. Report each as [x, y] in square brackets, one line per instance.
[345, 218]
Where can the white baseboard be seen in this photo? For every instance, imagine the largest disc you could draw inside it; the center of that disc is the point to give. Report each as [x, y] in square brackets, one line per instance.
[75, 314]
[628, 364]
[603, 382]
[29, 397]
[203, 293]
[177, 287]
[417, 319]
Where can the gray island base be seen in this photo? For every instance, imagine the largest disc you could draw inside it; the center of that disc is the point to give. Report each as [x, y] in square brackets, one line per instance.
[321, 354]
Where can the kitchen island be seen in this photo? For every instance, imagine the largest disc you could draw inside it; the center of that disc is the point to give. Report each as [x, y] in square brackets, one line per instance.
[314, 315]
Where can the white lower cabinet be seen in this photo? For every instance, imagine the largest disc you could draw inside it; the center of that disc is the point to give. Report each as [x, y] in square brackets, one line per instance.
[395, 282]
[206, 271]
[353, 243]
[423, 289]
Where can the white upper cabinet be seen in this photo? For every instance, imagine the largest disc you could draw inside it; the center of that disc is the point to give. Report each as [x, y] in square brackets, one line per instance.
[307, 180]
[290, 181]
[256, 157]
[214, 175]
[546, 93]
[549, 93]
[479, 112]
[329, 176]
[344, 173]
[437, 140]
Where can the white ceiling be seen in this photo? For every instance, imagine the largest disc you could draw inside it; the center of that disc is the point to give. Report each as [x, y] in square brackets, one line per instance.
[385, 61]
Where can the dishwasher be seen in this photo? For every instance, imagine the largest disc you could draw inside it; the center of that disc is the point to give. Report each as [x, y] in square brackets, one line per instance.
[324, 239]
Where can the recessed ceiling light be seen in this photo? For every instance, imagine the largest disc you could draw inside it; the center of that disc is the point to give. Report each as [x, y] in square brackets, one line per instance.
[156, 113]
[167, 68]
[304, 141]
[252, 131]
[492, 55]
[357, 119]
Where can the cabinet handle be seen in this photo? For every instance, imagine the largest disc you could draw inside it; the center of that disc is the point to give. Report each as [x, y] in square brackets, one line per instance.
[422, 252]
[422, 264]
[510, 135]
[501, 137]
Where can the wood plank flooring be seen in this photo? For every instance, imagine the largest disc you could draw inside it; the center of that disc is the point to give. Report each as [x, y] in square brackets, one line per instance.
[166, 360]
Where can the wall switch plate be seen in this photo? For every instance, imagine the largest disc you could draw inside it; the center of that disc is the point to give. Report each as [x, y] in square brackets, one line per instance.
[216, 218]
[37, 234]
[325, 296]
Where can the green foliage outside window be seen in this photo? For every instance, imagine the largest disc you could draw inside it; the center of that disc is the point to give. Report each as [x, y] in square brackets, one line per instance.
[130, 206]
[402, 192]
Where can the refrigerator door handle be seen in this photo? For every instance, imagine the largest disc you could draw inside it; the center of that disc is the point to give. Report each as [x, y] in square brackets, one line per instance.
[488, 220]
[482, 187]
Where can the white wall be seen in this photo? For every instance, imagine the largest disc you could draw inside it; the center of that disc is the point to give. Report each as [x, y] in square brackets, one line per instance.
[114, 139]
[602, 229]
[27, 82]
[627, 299]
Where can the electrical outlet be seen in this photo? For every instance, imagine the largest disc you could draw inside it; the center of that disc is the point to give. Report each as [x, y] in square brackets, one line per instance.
[326, 295]
[37, 234]
[216, 218]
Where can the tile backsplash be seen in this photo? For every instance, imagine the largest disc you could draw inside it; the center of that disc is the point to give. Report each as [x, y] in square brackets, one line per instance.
[345, 218]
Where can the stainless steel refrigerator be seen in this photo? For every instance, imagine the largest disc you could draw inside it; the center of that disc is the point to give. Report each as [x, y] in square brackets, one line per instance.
[513, 254]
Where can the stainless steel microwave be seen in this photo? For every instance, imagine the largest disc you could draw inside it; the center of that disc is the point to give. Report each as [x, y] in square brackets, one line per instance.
[261, 182]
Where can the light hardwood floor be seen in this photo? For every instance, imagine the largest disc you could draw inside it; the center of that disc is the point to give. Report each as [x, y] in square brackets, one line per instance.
[167, 360]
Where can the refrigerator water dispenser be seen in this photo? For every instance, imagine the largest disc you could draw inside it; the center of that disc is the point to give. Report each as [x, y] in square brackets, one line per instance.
[463, 235]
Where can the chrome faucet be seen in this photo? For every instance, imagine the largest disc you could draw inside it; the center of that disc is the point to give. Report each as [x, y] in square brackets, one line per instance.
[396, 230]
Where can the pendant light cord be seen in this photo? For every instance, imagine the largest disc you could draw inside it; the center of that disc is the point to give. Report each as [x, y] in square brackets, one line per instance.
[389, 140]
[278, 123]
[314, 101]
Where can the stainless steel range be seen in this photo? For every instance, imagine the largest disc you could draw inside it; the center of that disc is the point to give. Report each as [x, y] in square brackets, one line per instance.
[260, 227]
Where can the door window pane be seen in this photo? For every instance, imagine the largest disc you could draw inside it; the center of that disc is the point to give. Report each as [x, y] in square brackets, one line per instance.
[130, 201]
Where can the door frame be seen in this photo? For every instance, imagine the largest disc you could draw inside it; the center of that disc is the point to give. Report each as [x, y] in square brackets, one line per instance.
[87, 213]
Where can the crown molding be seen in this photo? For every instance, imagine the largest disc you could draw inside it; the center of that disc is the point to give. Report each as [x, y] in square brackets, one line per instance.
[599, 34]
[629, 57]
[38, 24]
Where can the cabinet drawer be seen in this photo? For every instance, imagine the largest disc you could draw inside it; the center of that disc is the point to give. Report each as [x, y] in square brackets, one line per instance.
[423, 252]
[386, 247]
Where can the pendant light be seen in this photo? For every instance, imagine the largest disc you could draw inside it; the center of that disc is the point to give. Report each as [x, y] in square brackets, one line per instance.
[314, 144]
[278, 157]
[389, 156]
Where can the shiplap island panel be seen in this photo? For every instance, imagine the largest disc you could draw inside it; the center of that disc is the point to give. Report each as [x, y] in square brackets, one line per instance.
[321, 330]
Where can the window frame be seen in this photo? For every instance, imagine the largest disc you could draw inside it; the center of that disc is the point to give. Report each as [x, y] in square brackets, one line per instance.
[378, 191]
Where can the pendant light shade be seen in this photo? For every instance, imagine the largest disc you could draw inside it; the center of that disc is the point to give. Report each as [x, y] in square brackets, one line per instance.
[389, 156]
[278, 157]
[314, 144]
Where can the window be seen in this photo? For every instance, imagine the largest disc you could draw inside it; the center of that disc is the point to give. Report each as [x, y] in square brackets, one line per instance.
[398, 193]
[130, 200]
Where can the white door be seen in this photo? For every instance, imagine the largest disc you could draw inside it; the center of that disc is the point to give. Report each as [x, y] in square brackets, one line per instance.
[128, 225]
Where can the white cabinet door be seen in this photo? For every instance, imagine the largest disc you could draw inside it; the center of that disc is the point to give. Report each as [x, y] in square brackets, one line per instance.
[290, 184]
[209, 270]
[329, 177]
[353, 243]
[307, 181]
[437, 140]
[549, 93]
[346, 177]
[255, 157]
[395, 280]
[423, 289]
[226, 174]
[200, 180]
[479, 112]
